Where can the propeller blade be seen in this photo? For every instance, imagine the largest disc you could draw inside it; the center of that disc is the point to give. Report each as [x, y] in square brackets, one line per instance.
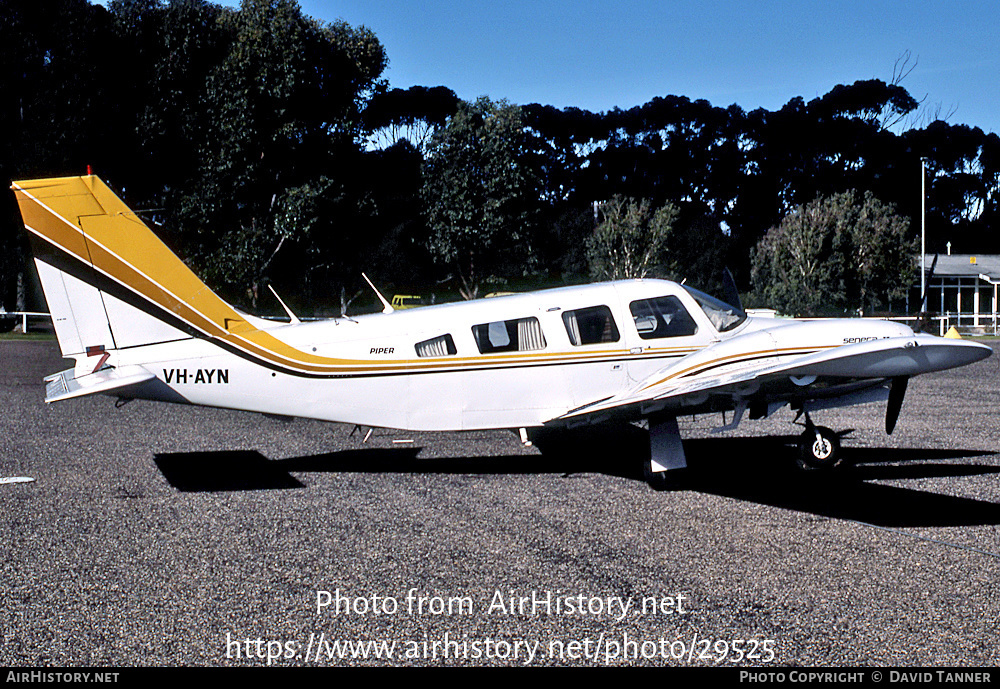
[729, 291]
[921, 323]
[896, 394]
[927, 285]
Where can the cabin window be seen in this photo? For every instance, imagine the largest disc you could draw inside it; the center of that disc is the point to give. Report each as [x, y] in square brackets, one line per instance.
[518, 335]
[662, 317]
[436, 346]
[592, 325]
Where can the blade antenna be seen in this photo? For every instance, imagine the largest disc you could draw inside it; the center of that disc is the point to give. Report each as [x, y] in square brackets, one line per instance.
[388, 307]
[292, 317]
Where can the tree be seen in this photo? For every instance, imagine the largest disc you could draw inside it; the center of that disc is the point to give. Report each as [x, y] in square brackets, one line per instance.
[175, 48]
[57, 108]
[698, 250]
[279, 136]
[413, 114]
[872, 101]
[841, 252]
[631, 240]
[480, 201]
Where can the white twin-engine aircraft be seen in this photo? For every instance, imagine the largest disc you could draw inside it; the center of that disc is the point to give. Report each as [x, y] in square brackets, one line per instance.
[141, 325]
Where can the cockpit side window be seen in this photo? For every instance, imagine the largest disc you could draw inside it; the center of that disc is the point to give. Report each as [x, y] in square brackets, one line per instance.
[662, 317]
[592, 325]
[724, 316]
[517, 335]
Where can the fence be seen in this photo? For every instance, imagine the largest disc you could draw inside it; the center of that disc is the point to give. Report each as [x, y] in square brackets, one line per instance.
[24, 317]
[976, 323]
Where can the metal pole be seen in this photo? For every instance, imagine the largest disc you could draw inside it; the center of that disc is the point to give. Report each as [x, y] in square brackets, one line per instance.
[923, 234]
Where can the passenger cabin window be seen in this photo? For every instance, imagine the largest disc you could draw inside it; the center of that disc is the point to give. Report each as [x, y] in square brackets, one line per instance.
[436, 346]
[662, 317]
[518, 335]
[592, 325]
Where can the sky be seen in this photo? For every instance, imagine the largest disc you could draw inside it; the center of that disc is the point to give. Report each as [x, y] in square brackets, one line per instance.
[602, 54]
[598, 55]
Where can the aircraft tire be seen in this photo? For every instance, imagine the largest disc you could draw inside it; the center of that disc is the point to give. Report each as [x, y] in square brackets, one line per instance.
[675, 479]
[823, 452]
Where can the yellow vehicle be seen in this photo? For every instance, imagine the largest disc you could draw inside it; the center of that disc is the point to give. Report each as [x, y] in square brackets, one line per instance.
[406, 301]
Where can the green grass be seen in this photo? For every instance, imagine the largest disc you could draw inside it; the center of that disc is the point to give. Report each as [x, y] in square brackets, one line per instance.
[25, 337]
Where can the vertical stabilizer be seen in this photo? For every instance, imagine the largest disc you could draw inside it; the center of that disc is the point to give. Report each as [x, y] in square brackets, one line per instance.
[112, 284]
[83, 237]
[77, 309]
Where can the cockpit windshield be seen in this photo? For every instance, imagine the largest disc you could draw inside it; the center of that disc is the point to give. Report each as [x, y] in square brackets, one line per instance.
[724, 316]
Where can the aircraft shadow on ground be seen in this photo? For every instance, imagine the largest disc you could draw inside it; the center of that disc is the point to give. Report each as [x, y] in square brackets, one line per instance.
[229, 470]
[756, 469]
[761, 470]
[250, 470]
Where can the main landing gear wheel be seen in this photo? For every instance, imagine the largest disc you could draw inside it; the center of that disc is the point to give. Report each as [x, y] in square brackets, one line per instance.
[819, 448]
[674, 479]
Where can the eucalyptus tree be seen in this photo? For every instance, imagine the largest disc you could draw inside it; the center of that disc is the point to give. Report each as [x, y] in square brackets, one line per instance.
[413, 114]
[58, 109]
[631, 240]
[845, 252]
[481, 200]
[281, 136]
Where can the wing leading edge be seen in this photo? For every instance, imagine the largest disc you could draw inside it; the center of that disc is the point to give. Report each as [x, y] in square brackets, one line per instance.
[765, 373]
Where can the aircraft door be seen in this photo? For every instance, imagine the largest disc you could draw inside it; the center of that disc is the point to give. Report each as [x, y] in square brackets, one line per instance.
[598, 349]
[659, 331]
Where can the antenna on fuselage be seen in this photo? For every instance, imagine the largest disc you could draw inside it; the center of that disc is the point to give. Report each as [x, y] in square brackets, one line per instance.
[388, 307]
[292, 317]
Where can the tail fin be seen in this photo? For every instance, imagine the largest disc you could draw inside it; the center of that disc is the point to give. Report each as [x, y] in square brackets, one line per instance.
[110, 283]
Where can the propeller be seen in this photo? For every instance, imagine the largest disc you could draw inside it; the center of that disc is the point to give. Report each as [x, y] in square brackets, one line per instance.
[730, 294]
[896, 394]
[898, 389]
[922, 322]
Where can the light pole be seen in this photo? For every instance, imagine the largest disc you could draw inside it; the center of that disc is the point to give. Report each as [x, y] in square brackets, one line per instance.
[923, 234]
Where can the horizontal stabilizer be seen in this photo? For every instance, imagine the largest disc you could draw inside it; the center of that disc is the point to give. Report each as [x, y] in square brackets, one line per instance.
[63, 386]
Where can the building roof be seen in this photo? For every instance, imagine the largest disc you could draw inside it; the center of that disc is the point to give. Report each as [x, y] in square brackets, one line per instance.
[965, 265]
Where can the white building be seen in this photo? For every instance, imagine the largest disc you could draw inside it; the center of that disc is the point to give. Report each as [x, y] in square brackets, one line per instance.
[963, 289]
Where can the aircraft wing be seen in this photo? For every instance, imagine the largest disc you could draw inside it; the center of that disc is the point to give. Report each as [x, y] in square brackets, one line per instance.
[689, 383]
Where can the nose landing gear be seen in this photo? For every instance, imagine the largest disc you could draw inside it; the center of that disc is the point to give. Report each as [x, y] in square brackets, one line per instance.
[819, 447]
